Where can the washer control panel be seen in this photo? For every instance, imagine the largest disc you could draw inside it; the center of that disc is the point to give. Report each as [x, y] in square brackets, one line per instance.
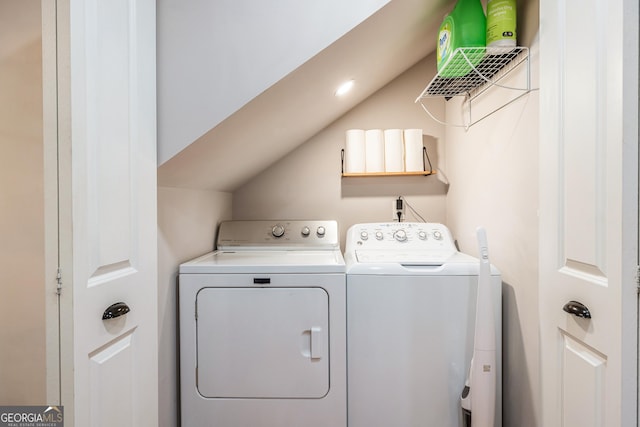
[400, 235]
[278, 234]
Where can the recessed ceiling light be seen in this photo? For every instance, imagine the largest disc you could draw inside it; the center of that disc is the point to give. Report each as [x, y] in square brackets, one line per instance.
[345, 87]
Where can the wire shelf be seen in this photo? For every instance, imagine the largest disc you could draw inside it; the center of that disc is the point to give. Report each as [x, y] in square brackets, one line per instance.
[473, 70]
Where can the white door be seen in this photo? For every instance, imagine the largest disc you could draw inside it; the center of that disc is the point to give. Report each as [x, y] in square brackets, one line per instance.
[588, 211]
[108, 211]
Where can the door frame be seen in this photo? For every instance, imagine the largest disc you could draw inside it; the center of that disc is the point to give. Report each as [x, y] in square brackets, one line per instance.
[631, 215]
[50, 165]
[65, 247]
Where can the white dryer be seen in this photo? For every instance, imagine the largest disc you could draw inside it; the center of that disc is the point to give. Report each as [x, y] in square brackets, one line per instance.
[263, 328]
[411, 302]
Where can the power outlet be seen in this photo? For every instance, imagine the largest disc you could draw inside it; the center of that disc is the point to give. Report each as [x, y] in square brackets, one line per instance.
[395, 210]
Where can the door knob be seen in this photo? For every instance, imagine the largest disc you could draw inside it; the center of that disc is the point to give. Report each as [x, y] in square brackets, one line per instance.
[115, 310]
[577, 309]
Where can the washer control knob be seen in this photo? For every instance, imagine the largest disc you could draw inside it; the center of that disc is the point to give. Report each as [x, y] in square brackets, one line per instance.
[422, 235]
[278, 230]
[379, 235]
[320, 231]
[364, 235]
[437, 235]
[305, 231]
[400, 235]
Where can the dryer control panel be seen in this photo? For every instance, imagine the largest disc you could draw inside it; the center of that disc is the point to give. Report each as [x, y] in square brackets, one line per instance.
[278, 235]
[400, 236]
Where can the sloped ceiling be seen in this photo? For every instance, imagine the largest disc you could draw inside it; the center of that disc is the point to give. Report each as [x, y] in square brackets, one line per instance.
[302, 103]
[214, 56]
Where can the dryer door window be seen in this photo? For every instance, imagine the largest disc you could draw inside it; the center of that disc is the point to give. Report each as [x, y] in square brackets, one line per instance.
[263, 342]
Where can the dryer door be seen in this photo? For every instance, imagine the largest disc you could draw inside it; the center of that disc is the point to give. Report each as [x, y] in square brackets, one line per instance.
[263, 342]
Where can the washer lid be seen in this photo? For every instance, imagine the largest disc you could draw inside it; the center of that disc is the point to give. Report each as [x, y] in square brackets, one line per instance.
[383, 263]
[408, 257]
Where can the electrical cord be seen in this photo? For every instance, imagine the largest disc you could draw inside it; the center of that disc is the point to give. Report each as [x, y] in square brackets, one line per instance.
[415, 213]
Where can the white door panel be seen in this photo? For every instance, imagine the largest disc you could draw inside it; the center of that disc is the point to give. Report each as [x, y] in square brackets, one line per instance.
[583, 370]
[585, 167]
[113, 211]
[107, 366]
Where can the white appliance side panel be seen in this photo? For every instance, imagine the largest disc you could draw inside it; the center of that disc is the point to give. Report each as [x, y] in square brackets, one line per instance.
[410, 341]
[263, 342]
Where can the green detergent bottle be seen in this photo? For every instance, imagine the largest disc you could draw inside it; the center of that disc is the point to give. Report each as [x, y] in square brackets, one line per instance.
[465, 26]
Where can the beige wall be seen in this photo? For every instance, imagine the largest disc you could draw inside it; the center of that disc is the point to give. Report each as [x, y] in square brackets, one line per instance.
[22, 305]
[187, 221]
[307, 184]
[493, 171]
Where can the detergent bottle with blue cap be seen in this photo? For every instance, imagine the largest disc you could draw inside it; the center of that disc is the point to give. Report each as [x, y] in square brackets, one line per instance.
[464, 27]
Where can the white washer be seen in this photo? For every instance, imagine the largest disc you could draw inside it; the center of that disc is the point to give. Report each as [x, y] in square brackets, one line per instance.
[262, 328]
[411, 302]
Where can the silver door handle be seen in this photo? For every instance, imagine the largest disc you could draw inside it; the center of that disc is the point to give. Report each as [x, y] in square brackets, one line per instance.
[115, 310]
[577, 309]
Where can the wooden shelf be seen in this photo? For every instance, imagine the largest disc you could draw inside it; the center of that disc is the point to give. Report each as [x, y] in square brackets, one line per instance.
[383, 174]
[425, 161]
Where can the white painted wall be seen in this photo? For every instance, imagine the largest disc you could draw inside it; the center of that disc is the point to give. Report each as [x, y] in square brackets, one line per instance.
[215, 56]
[187, 222]
[307, 184]
[22, 305]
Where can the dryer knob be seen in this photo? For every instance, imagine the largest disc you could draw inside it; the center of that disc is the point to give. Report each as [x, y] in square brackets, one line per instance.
[379, 235]
[305, 231]
[364, 235]
[320, 231]
[277, 230]
[422, 235]
[437, 235]
[400, 235]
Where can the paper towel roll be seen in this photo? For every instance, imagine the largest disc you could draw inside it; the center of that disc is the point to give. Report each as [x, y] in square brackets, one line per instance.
[374, 150]
[413, 150]
[393, 150]
[354, 152]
